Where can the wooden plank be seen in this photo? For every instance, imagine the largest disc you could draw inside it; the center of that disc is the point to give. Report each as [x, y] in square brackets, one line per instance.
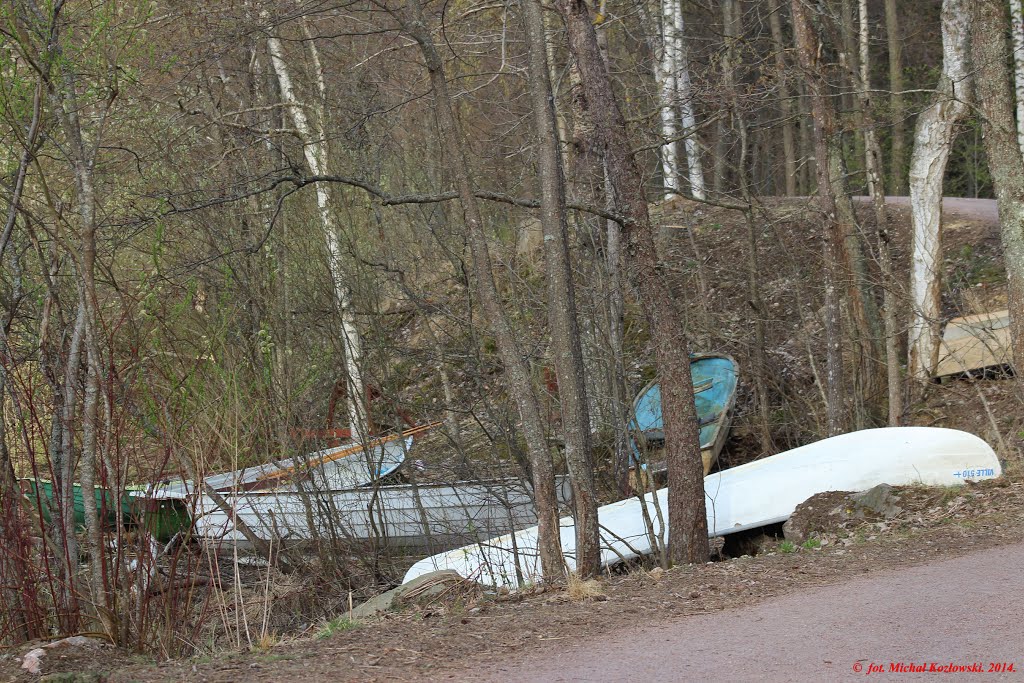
[974, 342]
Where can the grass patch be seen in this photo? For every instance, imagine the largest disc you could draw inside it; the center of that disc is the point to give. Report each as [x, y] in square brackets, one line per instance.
[335, 626]
[787, 547]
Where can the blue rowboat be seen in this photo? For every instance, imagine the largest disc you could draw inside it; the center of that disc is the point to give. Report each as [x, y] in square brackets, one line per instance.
[714, 386]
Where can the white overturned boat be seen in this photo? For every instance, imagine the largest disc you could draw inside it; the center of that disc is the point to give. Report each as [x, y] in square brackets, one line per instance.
[425, 517]
[759, 493]
[335, 494]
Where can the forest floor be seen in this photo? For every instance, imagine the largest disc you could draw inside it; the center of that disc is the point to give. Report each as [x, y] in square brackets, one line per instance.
[464, 632]
[464, 635]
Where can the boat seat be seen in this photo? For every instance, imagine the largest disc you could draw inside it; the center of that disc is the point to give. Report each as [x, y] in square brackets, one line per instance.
[656, 436]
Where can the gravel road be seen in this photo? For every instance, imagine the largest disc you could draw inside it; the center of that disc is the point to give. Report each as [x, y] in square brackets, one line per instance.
[964, 611]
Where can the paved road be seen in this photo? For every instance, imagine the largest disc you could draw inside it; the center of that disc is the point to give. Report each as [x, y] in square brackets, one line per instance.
[962, 611]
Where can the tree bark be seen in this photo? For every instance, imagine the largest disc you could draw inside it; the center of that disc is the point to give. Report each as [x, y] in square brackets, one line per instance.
[314, 149]
[785, 101]
[687, 515]
[897, 109]
[807, 49]
[995, 97]
[516, 369]
[933, 141]
[562, 312]
[876, 190]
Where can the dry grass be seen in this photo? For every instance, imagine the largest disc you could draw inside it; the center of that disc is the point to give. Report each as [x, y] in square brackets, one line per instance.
[579, 590]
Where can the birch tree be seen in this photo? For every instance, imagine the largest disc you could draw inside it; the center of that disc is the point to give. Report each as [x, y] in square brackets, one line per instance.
[315, 150]
[1017, 34]
[933, 141]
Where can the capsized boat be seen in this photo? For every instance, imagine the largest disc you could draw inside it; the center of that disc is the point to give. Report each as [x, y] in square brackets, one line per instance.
[335, 494]
[424, 517]
[343, 467]
[714, 386]
[39, 493]
[756, 494]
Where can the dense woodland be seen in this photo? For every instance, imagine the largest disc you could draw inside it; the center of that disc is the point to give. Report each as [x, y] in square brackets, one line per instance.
[228, 227]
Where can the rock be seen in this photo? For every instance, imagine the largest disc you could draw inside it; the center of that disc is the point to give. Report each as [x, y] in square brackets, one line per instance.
[375, 605]
[828, 512]
[421, 589]
[33, 660]
[880, 500]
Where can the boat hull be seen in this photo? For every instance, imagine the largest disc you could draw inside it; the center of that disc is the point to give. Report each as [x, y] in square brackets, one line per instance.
[421, 517]
[714, 405]
[759, 493]
[104, 500]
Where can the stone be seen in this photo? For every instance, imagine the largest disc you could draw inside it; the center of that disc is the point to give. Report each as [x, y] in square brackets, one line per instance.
[880, 500]
[421, 589]
[827, 512]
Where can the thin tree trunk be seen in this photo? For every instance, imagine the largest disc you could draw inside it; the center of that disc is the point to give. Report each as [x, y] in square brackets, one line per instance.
[1017, 33]
[518, 376]
[562, 312]
[687, 514]
[995, 97]
[861, 305]
[876, 189]
[665, 74]
[785, 101]
[897, 109]
[933, 141]
[314, 148]
[824, 130]
[684, 98]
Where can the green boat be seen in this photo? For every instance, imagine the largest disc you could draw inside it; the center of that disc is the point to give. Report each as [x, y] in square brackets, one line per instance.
[162, 518]
[36, 489]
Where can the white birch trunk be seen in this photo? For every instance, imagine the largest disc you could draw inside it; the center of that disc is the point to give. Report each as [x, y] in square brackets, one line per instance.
[665, 74]
[933, 141]
[314, 148]
[684, 95]
[1017, 33]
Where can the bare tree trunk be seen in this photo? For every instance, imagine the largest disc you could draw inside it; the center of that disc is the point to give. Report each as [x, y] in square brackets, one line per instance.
[824, 130]
[314, 148]
[897, 110]
[665, 75]
[1017, 33]
[734, 31]
[933, 140]
[785, 101]
[995, 97]
[687, 514]
[562, 315]
[876, 189]
[518, 376]
[861, 305]
[684, 97]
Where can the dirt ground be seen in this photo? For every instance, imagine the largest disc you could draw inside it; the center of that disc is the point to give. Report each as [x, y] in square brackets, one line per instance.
[452, 637]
